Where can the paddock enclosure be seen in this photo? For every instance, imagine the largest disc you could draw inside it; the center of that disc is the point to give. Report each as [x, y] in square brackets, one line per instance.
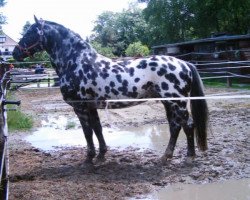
[50, 156]
[43, 168]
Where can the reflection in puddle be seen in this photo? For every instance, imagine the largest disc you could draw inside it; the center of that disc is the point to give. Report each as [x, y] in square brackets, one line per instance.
[54, 133]
[227, 190]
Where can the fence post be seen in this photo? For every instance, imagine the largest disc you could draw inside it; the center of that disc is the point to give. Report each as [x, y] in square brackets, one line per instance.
[229, 82]
[38, 83]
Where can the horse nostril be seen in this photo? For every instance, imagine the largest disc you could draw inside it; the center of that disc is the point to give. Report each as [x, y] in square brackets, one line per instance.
[17, 55]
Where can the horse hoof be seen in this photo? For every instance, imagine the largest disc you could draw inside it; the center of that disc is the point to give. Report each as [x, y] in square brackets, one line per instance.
[165, 158]
[190, 160]
[100, 159]
[88, 162]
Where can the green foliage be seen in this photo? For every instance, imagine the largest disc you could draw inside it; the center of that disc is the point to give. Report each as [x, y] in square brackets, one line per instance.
[40, 56]
[11, 60]
[70, 125]
[180, 20]
[2, 3]
[25, 27]
[19, 121]
[221, 83]
[105, 51]
[166, 21]
[118, 30]
[137, 49]
[2, 17]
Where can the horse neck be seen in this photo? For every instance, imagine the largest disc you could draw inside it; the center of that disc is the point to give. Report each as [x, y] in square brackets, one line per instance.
[65, 47]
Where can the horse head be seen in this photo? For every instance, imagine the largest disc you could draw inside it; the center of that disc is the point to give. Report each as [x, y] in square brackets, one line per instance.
[31, 42]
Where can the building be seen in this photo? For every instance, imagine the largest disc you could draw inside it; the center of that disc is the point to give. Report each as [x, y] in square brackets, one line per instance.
[7, 46]
[218, 47]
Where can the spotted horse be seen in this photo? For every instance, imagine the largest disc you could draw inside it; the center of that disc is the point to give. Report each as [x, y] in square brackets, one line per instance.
[87, 79]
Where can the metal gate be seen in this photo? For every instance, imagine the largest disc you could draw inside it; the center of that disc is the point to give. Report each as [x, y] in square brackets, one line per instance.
[4, 161]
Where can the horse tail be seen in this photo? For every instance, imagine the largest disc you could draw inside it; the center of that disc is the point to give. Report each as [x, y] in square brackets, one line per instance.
[199, 109]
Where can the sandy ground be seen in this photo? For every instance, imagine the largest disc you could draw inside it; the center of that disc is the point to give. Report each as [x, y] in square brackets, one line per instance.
[131, 172]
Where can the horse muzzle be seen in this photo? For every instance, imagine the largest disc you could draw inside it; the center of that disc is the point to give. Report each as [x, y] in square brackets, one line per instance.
[18, 54]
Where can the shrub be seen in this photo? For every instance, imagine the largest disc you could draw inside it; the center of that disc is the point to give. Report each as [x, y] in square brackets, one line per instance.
[137, 49]
[105, 51]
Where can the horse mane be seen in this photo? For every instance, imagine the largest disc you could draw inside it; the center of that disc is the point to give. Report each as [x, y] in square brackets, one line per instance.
[63, 28]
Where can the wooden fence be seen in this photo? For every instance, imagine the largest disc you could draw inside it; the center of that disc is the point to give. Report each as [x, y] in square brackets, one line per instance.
[227, 70]
[208, 69]
[221, 65]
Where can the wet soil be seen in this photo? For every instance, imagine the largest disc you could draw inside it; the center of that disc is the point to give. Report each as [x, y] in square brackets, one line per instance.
[131, 172]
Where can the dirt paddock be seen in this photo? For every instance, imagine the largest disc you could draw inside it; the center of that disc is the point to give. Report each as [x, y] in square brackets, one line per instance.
[130, 172]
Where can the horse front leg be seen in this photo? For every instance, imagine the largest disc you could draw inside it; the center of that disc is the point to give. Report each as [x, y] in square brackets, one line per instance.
[97, 127]
[84, 119]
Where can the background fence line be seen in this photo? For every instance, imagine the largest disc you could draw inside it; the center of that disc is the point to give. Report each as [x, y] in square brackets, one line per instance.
[227, 70]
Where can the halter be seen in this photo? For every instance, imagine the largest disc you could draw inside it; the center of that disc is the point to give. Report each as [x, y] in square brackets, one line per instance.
[39, 42]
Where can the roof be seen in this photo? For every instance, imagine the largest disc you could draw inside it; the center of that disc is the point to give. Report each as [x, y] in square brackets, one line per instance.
[207, 40]
[9, 41]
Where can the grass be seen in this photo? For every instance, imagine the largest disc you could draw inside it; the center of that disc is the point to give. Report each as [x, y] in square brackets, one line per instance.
[18, 120]
[222, 84]
[70, 125]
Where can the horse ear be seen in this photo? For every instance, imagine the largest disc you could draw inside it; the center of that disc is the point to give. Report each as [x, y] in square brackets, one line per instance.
[36, 20]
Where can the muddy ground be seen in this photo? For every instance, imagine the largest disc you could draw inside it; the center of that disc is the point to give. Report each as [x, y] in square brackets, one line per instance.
[130, 172]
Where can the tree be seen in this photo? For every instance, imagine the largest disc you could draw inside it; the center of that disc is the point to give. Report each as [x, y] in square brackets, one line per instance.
[228, 16]
[118, 30]
[2, 17]
[180, 20]
[137, 49]
[25, 27]
[105, 51]
[169, 20]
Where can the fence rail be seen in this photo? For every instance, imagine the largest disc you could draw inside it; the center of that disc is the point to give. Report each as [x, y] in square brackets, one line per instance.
[227, 70]
[208, 69]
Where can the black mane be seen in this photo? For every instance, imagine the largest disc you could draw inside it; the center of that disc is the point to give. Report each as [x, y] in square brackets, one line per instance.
[62, 28]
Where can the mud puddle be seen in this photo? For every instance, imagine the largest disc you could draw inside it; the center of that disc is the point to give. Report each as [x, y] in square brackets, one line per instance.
[226, 190]
[62, 132]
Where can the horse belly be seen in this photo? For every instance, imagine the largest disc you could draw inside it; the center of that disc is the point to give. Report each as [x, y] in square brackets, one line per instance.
[118, 105]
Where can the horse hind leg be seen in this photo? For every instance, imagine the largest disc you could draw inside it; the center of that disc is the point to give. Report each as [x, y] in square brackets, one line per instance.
[174, 127]
[96, 126]
[178, 117]
[188, 127]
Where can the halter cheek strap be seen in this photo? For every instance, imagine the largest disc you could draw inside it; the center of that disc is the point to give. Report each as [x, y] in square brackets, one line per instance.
[39, 42]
